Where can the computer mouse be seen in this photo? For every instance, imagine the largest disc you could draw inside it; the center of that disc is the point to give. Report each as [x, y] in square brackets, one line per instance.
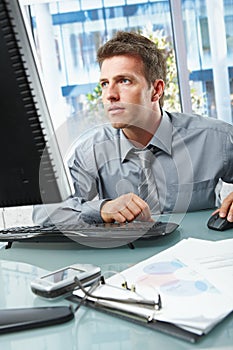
[219, 224]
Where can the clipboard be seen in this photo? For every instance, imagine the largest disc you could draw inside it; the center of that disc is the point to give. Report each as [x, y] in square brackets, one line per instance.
[164, 290]
[160, 326]
[180, 286]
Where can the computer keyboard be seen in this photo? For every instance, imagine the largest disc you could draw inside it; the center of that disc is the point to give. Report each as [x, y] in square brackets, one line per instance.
[87, 233]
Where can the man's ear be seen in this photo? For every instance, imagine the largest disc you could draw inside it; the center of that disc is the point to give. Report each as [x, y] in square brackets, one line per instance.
[157, 91]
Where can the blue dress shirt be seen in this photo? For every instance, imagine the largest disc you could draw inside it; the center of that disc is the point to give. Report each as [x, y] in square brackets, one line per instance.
[192, 154]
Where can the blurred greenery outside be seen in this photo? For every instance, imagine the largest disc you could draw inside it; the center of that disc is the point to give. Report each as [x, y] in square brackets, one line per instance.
[171, 100]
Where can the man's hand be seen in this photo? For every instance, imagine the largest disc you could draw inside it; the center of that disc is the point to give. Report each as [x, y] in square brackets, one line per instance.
[127, 207]
[226, 209]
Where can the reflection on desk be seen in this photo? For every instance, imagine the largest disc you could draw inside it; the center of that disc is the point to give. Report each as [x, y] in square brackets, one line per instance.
[92, 329]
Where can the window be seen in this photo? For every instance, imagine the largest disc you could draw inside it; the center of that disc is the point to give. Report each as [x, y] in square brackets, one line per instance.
[73, 30]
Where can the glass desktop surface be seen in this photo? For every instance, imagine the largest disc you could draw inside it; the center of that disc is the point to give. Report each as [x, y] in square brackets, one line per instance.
[93, 329]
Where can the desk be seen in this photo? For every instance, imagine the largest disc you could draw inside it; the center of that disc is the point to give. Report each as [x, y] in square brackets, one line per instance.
[92, 329]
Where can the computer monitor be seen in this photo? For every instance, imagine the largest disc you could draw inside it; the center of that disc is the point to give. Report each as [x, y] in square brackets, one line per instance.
[32, 169]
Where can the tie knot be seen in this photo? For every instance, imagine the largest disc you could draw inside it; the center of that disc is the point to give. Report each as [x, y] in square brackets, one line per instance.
[146, 157]
[154, 149]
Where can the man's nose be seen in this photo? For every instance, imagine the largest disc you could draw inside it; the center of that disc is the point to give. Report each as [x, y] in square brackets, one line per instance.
[112, 93]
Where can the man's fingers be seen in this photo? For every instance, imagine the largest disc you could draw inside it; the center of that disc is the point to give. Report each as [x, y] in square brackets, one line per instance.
[125, 208]
[127, 214]
[135, 207]
[146, 215]
[230, 213]
[226, 209]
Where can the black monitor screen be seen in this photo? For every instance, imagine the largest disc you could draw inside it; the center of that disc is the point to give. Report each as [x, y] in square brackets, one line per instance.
[32, 170]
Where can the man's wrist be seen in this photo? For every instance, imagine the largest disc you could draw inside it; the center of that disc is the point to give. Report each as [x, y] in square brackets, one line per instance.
[91, 212]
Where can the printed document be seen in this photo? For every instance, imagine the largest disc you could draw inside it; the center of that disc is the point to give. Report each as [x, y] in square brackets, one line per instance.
[193, 279]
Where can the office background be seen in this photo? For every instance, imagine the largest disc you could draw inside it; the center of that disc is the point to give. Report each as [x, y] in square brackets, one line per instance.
[67, 33]
[23, 262]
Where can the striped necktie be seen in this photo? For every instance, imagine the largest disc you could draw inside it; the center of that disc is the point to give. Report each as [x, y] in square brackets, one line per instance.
[147, 188]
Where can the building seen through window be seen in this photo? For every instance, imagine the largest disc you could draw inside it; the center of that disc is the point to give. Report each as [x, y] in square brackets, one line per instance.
[68, 33]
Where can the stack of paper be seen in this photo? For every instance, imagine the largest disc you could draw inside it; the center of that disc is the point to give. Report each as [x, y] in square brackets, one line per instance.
[193, 278]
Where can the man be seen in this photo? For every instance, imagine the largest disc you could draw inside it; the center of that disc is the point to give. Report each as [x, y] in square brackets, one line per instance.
[148, 160]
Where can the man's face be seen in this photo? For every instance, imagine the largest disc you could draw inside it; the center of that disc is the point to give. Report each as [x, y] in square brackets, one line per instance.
[126, 96]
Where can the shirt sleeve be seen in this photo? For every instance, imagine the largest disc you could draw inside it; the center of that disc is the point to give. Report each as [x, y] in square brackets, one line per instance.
[84, 205]
[228, 159]
[69, 212]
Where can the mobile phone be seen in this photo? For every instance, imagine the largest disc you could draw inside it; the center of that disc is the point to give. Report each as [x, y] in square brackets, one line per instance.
[63, 282]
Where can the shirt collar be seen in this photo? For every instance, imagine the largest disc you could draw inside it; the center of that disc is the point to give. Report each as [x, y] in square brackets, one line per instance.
[162, 139]
[126, 146]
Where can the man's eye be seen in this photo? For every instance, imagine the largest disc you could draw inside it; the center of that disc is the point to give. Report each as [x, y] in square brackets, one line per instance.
[103, 84]
[125, 81]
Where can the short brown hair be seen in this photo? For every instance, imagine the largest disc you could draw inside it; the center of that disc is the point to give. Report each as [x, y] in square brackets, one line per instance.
[135, 44]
